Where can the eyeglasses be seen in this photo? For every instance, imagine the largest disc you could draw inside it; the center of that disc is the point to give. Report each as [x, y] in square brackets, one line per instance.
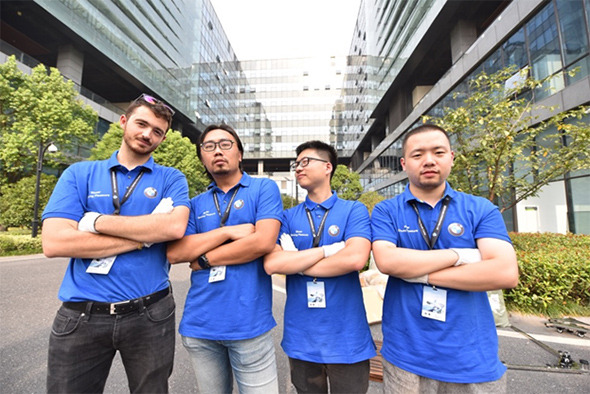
[304, 162]
[152, 100]
[209, 146]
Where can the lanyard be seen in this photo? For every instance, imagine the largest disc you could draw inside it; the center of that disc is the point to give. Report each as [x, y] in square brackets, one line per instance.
[316, 236]
[116, 202]
[227, 209]
[431, 241]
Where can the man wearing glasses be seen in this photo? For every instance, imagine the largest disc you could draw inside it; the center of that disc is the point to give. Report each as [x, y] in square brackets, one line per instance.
[324, 242]
[113, 217]
[227, 317]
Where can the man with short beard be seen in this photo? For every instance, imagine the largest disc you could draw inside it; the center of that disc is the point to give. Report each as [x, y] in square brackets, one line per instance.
[227, 316]
[113, 218]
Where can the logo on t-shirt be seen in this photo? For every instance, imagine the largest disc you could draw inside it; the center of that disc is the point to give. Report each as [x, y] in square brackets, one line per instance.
[150, 192]
[456, 229]
[406, 229]
[239, 204]
[334, 230]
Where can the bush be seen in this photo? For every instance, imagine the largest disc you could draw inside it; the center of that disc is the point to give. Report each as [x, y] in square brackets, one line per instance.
[15, 245]
[554, 274]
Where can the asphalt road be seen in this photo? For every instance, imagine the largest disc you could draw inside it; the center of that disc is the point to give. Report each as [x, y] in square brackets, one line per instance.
[28, 302]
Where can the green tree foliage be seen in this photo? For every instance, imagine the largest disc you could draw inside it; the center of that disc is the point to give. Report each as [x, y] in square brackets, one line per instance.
[18, 200]
[502, 151]
[176, 151]
[370, 199]
[346, 183]
[35, 110]
[288, 201]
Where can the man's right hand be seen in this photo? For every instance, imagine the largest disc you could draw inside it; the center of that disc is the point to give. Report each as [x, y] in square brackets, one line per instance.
[287, 242]
[87, 222]
[467, 256]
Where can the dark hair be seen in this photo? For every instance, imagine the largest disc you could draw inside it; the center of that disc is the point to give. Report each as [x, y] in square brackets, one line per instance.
[321, 147]
[421, 129]
[223, 127]
[159, 109]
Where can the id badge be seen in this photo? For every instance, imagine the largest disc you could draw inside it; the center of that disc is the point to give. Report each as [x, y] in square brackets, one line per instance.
[434, 303]
[316, 295]
[101, 266]
[217, 273]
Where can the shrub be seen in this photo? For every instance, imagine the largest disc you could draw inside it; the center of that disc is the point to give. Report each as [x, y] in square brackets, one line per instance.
[554, 274]
[14, 245]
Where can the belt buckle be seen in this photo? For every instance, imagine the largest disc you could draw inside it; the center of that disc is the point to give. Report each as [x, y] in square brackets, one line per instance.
[114, 305]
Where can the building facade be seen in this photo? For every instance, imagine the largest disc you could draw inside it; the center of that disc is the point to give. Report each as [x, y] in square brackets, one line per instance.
[454, 42]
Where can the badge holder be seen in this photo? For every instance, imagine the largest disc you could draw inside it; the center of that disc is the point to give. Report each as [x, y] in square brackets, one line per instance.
[434, 303]
[217, 273]
[101, 266]
[316, 294]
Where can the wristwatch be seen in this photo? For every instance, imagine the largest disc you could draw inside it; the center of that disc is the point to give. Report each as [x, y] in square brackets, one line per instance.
[203, 261]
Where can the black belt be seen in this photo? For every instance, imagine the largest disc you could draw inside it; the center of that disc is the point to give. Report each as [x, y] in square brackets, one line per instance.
[118, 308]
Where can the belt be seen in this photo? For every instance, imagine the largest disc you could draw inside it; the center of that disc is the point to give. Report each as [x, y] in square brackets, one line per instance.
[118, 308]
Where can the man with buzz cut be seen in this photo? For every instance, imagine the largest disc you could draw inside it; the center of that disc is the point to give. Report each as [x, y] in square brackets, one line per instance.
[442, 250]
[324, 243]
[113, 218]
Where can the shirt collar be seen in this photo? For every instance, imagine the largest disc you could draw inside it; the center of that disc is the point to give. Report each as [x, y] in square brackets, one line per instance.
[407, 195]
[328, 204]
[114, 163]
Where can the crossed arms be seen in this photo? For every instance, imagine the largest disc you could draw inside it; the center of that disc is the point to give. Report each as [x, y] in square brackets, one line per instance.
[497, 268]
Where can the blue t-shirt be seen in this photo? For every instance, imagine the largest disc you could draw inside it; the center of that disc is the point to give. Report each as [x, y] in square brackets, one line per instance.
[86, 187]
[239, 307]
[338, 333]
[464, 349]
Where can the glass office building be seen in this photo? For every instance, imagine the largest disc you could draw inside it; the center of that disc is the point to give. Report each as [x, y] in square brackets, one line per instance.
[547, 36]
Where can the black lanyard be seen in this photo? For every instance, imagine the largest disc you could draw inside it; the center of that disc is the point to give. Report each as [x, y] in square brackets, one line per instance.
[316, 236]
[431, 241]
[116, 202]
[227, 209]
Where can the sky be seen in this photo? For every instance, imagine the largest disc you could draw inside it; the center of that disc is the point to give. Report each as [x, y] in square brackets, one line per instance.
[276, 29]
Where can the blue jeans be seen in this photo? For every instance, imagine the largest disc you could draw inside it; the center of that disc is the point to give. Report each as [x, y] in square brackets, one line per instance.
[82, 347]
[252, 361]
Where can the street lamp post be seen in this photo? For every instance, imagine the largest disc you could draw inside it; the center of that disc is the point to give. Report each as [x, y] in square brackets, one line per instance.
[42, 149]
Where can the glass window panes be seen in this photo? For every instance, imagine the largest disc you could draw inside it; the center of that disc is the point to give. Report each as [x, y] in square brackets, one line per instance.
[572, 23]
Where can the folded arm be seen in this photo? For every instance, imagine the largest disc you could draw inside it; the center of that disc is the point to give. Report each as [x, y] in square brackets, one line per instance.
[498, 269]
[353, 257]
[61, 238]
[190, 247]
[410, 263]
[245, 249]
[155, 227]
[290, 262]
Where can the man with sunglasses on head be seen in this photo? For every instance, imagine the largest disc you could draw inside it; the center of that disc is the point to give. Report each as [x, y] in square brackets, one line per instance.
[324, 242]
[227, 317]
[113, 219]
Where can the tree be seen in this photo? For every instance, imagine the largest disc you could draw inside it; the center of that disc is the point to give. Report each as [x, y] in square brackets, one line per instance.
[502, 151]
[288, 201]
[346, 183]
[176, 151]
[370, 199]
[18, 200]
[36, 110]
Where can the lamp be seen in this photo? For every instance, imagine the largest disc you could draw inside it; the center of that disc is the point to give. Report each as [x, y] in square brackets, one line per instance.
[42, 149]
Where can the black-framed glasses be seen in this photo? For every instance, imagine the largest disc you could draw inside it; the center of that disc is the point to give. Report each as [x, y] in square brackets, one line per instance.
[152, 100]
[209, 146]
[304, 162]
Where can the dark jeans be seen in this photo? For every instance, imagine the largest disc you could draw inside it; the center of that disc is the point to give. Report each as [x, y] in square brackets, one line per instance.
[308, 377]
[82, 347]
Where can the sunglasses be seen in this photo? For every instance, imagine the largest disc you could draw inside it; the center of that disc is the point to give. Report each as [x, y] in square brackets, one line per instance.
[152, 100]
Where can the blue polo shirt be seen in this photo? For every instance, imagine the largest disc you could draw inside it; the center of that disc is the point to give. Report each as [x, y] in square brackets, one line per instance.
[239, 307]
[464, 349]
[86, 187]
[338, 333]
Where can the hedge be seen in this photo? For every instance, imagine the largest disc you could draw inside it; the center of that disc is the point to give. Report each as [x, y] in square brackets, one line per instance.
[16, 245]
[554, 274]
